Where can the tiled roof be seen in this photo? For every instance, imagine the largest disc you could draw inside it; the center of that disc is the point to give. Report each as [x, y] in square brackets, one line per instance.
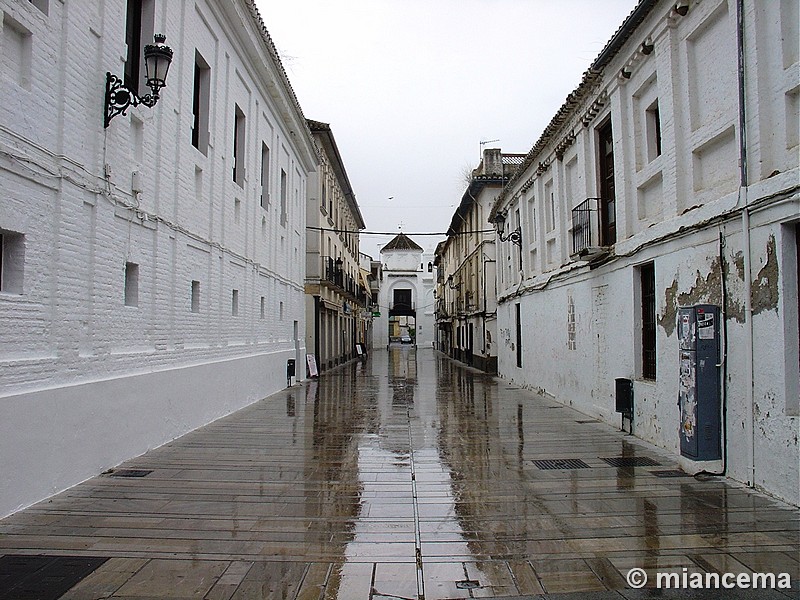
[590, 79]
[273, 52]
[513, 159]
[401, 242]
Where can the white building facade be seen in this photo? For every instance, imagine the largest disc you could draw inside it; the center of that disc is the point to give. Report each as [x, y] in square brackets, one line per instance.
[466, 297]
[405, 294]
[152, 272]
[336, 296]
[669, 178]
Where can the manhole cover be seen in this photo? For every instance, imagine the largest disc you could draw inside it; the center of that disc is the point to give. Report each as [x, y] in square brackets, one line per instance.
[130, 473]
[670, 473]
[631, 461]
[43, 577]
[468, 584]
[561, 463]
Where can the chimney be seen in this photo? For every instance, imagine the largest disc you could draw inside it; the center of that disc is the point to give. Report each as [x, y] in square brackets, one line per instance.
[492, 161]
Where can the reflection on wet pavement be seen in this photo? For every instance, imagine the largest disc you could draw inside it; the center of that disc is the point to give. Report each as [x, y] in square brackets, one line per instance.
[406, 476]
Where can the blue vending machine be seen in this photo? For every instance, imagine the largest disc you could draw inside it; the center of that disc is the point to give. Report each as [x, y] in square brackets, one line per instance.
[699, 388]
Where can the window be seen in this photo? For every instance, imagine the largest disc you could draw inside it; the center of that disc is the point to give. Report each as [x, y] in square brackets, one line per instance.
[647, 282]
[238, 145]
[284, 199]
[12, 259]
[653, 131]
[200, 103]
[518, 227]
[608, 214]
[280, 311]
[264, 175]
[195, 296]
[138, 32]
[235, 303]
[16, 51]
[263, 307]
[402, 299]
[131, 284]
[550, 198]
[42, 5]
[532, 219]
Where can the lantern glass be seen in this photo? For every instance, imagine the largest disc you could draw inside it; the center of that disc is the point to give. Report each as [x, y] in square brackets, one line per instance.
[157, 59]
[500, 222]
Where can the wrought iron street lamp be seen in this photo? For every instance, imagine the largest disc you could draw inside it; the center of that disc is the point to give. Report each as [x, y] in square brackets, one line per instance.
[157, 58]
[500, 225]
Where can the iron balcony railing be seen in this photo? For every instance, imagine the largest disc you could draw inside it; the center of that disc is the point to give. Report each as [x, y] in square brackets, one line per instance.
[585, 226]
[402, 306]
[335, 275]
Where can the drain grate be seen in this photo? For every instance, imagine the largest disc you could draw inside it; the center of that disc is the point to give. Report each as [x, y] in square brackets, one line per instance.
[468, 584]
[130, 473]
[670, 473]
[561, 463]
[631, 461]
[42, 577]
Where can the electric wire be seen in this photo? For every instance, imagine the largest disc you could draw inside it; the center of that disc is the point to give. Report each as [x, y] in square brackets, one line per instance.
[357, 232]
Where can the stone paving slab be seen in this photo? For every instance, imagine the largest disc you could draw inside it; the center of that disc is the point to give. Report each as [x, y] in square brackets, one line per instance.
[404, 476]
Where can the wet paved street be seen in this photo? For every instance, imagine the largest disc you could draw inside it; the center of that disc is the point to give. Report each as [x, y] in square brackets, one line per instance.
[407, 476]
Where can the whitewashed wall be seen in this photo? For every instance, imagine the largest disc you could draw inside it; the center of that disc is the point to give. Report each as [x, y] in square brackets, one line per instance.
[673, 210]
[402, 270]
[88, 381]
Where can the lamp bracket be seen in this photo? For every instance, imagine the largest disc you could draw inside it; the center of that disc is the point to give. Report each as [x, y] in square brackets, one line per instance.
[119, 98]
[515, 237]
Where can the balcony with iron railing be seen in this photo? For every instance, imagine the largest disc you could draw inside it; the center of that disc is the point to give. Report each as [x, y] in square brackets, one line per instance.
[335, 275]
[406, 306]
[586, 234]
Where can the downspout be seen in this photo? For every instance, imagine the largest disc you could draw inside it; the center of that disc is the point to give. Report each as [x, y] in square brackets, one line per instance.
[317, 328]
[724, 362]
[743, 199]
[485, 304]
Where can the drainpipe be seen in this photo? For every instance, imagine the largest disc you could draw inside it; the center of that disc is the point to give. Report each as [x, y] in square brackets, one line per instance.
[485, 305]
[743, 199]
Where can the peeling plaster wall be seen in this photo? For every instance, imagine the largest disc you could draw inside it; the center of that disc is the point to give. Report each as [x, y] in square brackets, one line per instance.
[671, 207]
[688, 271]
[777, 465]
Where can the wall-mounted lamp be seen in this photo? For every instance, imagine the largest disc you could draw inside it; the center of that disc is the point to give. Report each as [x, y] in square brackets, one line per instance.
[647, 46]
[682, 7]
[500, 225]
[157, 58]
[450, 283]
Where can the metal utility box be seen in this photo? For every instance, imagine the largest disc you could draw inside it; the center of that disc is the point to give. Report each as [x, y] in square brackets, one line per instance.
[624, 396]
[290, 371]
[699, 384]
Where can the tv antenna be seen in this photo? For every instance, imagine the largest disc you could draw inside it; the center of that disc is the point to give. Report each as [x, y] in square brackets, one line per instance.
[484, 142]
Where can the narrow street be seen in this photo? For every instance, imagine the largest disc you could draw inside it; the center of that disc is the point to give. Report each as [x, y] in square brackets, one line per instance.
[405, 476]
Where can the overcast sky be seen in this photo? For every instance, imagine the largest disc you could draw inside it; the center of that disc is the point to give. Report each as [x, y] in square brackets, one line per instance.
[412, 87]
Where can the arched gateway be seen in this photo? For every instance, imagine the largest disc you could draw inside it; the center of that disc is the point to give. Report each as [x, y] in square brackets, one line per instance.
[406, 295]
